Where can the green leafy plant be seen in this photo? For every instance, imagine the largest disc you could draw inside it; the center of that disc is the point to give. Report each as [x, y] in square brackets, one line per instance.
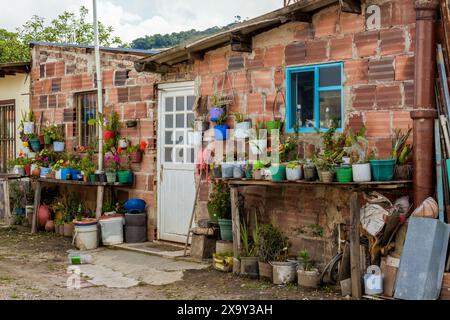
[222, 120]
[238, 117]
[357, 146]
[401, 150]
[54, 132]
[249, 245]
[305, 259]
[271, 243]
[219, 202]
[110, 122]
[294, 164]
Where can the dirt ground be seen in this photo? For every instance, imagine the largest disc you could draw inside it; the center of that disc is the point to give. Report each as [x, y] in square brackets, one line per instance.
[33, 267]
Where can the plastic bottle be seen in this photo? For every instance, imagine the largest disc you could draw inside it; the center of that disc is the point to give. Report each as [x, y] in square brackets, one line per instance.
[77, 258]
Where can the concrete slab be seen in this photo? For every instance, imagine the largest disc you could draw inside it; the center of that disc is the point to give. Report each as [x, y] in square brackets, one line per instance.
[125, 269]
[153, 248]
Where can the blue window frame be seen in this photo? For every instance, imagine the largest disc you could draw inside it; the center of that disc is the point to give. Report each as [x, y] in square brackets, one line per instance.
[315, 96]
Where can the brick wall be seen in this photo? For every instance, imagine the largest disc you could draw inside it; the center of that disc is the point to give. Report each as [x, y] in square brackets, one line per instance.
[378, 88]
[59, 73]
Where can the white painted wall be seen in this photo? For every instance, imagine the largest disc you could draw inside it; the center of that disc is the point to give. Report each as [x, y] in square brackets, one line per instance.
[18, 88]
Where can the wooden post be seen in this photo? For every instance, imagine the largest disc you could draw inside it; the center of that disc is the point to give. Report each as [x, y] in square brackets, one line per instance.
[8, 217]
[37, 201]
[99, 208]
[236, 223]
[355, 245]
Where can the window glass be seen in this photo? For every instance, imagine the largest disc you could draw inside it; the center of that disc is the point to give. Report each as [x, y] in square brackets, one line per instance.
[180, 120]
[169, 137]
[304, 107]
[330, 76]
[330, 108]
[169, 104]
[169, 121]
[180, 103]
[190, 102]
[168, 154]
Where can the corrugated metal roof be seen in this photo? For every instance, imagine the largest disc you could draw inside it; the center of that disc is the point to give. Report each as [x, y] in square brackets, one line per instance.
[107, 49]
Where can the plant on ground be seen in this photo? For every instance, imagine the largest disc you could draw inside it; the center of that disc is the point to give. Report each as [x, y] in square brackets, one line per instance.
[305, 259]
[271, 243]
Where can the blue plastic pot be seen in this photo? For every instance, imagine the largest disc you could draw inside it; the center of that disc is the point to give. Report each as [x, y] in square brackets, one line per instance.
[66, 174]
[215, 114]
[20, 211]
[45, 172]
[74, 173]
[221, 132]
[135, 206]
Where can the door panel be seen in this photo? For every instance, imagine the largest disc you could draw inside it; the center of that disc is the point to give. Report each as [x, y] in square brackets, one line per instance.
[176, 164]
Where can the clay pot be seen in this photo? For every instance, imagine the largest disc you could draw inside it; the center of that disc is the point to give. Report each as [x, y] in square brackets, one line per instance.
[136, 157]
[43, 216]
[50, 226]
[36, 172]
[68, 230]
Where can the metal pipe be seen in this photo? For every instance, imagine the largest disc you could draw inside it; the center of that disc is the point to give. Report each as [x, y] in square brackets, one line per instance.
[99, 86]
[424, 100]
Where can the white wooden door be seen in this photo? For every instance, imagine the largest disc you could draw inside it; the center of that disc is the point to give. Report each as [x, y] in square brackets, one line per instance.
[176, 168]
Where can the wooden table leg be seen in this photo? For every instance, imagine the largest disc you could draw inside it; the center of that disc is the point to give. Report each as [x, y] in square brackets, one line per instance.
[99, 207]
[236, 223]
[37, 201]
[8, 215]
[355, 246]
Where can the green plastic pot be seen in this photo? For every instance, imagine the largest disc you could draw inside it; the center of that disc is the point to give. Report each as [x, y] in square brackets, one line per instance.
[278, 173]
[92, 178]
[35, 144]
[47, 139]
[344, 174]
[226, 232]
[273, 125]
[123, 177]
[382, 170]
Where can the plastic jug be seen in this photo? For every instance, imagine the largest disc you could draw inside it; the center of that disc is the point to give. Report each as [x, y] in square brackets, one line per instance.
[373, 281]
[77, 258]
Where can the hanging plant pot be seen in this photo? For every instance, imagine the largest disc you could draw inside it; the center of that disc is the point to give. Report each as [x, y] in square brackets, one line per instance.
[47, 139]
[35, 144]
[28, 127]
[108, 135]
[123, 143]
[131, 123]
[136, 157]
[58, 146]
[215, 114]
[221, 132]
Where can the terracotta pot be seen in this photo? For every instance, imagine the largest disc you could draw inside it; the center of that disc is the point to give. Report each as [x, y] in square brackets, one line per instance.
[43, 215]
[108, 135]
[36, 172]
[68, 230]
[136, 157]
[265, 271]
[50, 226]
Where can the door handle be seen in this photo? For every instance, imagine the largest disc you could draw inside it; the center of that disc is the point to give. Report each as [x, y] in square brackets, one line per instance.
[161, 171]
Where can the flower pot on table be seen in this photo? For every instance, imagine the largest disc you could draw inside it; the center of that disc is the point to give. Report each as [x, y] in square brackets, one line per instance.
[215, 114]
[58, 146]
[383, 170]
[362, 172]
[278, 172]
[111, 176]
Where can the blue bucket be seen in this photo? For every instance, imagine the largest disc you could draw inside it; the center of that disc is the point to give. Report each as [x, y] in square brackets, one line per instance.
[221, 132]
[45, 172]
[66, 174]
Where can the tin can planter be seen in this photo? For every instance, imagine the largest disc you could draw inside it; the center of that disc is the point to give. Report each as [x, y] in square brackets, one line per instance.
[221, 132]
[123, 177]
[111, 177]
[238, 171]
[225, 226]
[294, 174]
[227, 170]
[265, 271]
[215, 114]
[308, 279]
[249, 267]
[284, 272]
[362, 172]
[278, 172]
[382, 170]
[344, 174]
[108, 135]
[35, 144]
[136, 157]
[58, 146]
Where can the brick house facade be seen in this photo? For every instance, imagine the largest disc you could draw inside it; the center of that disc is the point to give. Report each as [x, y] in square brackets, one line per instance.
[61, 72]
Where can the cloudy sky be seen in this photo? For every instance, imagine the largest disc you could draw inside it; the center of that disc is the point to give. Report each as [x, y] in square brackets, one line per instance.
[135, 18]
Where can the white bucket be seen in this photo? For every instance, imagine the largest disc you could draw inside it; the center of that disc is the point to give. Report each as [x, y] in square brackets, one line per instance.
[284, 272]
[362, 173]
[86, 237]
[112, 230]
[294, 174]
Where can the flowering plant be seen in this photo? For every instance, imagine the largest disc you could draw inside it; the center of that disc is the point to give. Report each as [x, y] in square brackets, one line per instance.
[42, 161]
[112, 163]
[142, 146]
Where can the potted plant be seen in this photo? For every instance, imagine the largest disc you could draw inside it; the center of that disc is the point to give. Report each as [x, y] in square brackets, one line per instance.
[276, 123]
[217, 110]
[242, 126]
[344, 174]
[87, 167]
[283, 270]
[17, 198]
[221, 128]
[219, 209]
[307, 276]
[258, 141]
[124, 174]
[249, 254]
[270, 241]
[123, 142]
[358, 150]
[248, 170]
[227, 168]
[135, 152]
[57, 136]
[278, 170]
[32, 142]
[27, 122]
[382, 169]
[402, 153]
[112, 163]
[238, 170]
[110, 124]
[294, 171]
[43, 162]
[258, 169]
[18, 164]
[51, 132]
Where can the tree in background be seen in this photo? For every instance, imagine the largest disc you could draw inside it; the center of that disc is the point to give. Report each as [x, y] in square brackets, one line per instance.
[68, 27]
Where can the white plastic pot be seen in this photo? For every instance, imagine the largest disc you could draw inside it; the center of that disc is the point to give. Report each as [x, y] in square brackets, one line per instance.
[258, 147]
[194, 138]
[58, 174]
[86, 237]
[362, 173]
[20, 170]
[242, 130]
[112, 230]
[28, 127]
[123, 143]
[294, 174]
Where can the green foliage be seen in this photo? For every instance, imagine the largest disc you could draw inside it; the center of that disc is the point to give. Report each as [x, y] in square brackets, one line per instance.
[220, 200]
[249, 246]
[222, 120]
[272, 244]
[54, 132]
[17, 195]
[68, 27]
[357, 146]
[238, 117]
[401, 151]
[305, 258]
[294, 164]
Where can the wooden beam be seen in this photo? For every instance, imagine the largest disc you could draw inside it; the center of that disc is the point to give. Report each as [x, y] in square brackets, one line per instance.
[192, 56]
[37, 201]
[236, 222]
[241, 43]
[151, 66]
[351, 6]
[301, 17]
[355, 265]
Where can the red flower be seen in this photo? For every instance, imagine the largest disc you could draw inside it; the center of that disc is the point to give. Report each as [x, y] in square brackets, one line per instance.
[119, 150]
[143, 145]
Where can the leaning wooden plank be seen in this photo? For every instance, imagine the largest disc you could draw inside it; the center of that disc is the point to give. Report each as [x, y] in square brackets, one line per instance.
[236, 223]
[443, 77]
[439, 176]
[355, 266]
[37, 201]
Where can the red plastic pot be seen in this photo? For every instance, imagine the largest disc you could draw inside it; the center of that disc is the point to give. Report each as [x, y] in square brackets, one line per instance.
[41, 139]
[136, 157]
[27, 169]
[108, 135]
